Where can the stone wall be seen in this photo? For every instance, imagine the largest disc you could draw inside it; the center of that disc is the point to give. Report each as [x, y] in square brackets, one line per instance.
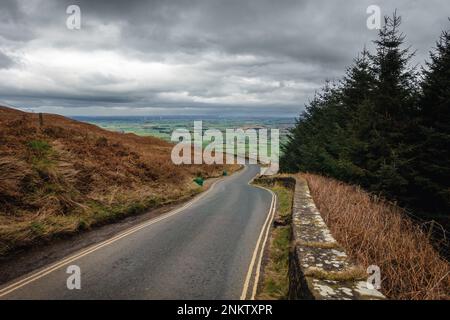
[319, 267]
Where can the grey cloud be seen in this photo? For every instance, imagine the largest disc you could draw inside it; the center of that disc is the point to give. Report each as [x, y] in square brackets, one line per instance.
[5, 61]
[275, 52]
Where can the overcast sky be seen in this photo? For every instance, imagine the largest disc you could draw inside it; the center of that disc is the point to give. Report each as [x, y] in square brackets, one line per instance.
[181, 57]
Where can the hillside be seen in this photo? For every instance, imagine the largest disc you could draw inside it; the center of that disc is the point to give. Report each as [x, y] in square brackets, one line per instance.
[65, 176]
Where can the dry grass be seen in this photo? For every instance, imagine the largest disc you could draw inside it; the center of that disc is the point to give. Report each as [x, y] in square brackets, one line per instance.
[70, 175]
[374, 232]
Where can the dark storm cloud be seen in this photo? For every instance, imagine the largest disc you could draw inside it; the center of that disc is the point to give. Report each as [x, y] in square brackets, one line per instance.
[192, 55]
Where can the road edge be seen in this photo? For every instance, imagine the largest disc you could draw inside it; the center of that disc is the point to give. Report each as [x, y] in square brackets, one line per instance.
[254, 271]
[31, 276]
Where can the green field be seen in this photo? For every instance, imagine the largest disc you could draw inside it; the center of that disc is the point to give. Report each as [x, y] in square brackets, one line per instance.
[162, 127]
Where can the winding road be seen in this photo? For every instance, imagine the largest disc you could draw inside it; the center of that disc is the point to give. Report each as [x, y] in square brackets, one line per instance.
[210, 248]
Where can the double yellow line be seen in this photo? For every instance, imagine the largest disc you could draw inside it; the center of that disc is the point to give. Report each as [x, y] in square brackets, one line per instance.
[256, 257]
[42, 273]
[258, 253]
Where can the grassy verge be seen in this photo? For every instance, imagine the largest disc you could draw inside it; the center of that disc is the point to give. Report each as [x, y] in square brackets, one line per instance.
[275, 280]
[93, 214]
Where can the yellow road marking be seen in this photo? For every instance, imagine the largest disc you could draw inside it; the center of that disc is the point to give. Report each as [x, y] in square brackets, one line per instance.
[258, 248]
[258, 266]
[39, 274]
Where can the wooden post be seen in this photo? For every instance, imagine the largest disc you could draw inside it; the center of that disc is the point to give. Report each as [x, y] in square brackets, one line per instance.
[41, 120]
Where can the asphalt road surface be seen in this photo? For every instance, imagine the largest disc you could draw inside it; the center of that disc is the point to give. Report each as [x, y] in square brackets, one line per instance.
[200, 251]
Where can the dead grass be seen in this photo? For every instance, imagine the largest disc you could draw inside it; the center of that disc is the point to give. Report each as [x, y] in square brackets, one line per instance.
[374, 232]
[68, 175]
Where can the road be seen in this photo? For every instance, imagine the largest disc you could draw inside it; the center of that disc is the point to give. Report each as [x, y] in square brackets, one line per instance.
[207, 249]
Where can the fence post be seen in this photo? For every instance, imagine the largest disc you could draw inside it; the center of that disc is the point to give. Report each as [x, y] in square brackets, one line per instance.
[41, 120]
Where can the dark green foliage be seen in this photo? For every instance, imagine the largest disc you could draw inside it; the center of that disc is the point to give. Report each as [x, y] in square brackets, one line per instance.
[199, 181]
[381, 127]
[432, 162]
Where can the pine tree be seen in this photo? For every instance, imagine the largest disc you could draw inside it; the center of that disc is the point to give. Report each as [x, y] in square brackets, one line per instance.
[436, 87]
[391, 110]
[309, 146]
[323, 139]
[432, 163]
[357, 90]
[358, 83]
[378, 128]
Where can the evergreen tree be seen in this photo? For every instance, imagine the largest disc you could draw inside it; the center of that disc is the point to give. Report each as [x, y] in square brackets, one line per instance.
[389, 115]
[378, 128]
[432, 163]
[309, 146]
[357, 90]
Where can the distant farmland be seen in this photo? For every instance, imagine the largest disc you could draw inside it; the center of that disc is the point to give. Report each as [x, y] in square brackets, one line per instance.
[162, 127]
